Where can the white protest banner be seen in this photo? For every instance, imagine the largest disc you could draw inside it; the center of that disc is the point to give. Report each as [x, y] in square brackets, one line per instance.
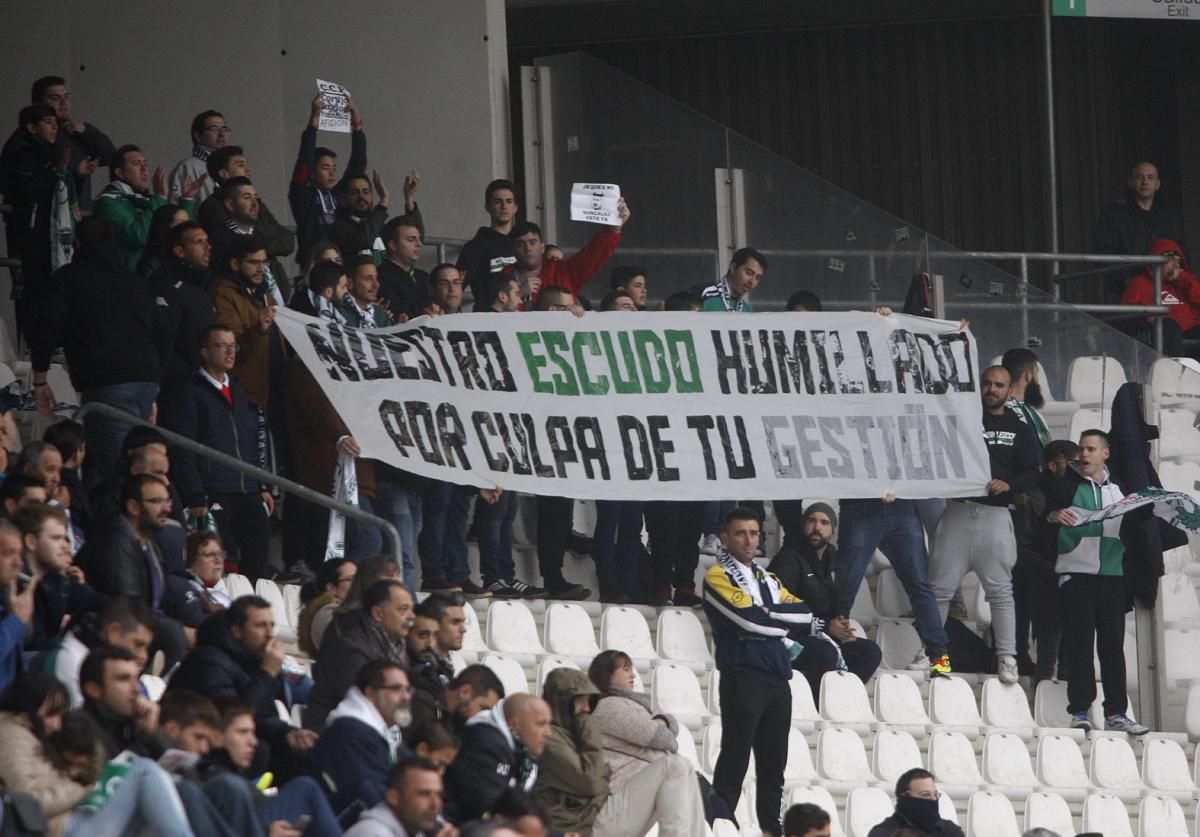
[1175, 507]
[335, 115]
[596, 202]
[680, 406]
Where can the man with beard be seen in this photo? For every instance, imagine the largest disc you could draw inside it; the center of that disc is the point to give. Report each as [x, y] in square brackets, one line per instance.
[917, 797]
[361, 307]
[805, 567]
[358, 223]
[438, 630]
[362, 738]
[242, 208]
[180, 289]
[1026, 397]
[977, 533]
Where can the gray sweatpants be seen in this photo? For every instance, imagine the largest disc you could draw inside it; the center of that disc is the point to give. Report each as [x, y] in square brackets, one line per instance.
[975, 537]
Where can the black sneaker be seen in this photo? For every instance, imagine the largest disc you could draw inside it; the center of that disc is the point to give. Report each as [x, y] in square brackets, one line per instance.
[474, 591]
[525, 591]
[579, 543]
[296, 574]
[501, 589]
[570, 593]
[686, 597]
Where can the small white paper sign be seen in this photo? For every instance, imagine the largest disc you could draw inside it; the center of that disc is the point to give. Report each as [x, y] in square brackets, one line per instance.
[335, 115]
[596, 203]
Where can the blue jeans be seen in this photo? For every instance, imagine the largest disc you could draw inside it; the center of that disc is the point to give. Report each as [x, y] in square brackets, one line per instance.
[494, 530]
[443, 539]
[298, 797]
[895, 529]
[714, 515]
[617, 562]
[105, 436]
[146, 797]
[400, 507]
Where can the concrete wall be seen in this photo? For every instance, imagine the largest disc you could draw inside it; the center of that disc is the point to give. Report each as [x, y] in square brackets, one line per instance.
[430, 77]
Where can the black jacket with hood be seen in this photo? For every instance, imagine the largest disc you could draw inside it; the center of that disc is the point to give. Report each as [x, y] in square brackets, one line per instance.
[352, 640]
[489, 762]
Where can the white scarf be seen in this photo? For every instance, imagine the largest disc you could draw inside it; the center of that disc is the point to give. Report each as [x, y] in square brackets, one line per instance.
[750, 586]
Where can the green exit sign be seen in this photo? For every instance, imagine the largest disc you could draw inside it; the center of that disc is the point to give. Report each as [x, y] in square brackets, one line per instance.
[1150, 9]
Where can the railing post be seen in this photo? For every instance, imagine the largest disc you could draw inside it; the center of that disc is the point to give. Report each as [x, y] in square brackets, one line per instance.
[1023, 294]
[1158, 319]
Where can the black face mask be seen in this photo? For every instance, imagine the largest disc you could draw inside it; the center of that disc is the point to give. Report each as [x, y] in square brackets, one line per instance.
[923, 813]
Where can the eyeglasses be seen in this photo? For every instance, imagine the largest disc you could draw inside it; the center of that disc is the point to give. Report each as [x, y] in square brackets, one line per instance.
[404, 689]
[224, 347]
[220, 129]
[931, 795]
[211, 553]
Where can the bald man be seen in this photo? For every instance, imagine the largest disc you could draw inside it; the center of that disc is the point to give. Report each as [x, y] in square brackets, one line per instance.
[500, 749]
[1130, 226]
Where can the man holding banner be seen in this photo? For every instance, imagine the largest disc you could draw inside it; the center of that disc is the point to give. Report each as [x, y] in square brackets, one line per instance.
[1091, 585]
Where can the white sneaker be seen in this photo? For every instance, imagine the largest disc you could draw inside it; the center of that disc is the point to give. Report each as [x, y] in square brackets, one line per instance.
[1006, 669]
[710, 544]
[919, 663]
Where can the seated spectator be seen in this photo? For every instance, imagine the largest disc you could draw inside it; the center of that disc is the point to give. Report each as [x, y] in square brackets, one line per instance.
[500, 750]
[315, 192]
[127, 204]
[154, 255]
[806, 568]
[517, 814]
[212, 409]
[490, 251]
[362, 737]
[438, 630]
[329, 588]
[193, 597]
[806, 820]
[326, 293]
[238, 655]
[576, 785]
[362, 307]
[62, 594]
[631, 279]
[411, 807]
[473, 690]
[16, 604]
[238, 754]
[917, 798]
[1180, 293]
[41, 460]
[68, 437]
[95, 302]
[32, 713]
[435, 742]
[19, 491]
[358, 221]
[804, 301]
[209, 133]
[369, 570]
[403, 287]
[124, 623]
[533, 272]
[375, 631]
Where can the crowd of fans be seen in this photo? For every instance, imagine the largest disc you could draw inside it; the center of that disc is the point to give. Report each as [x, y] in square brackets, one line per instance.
[161, 296]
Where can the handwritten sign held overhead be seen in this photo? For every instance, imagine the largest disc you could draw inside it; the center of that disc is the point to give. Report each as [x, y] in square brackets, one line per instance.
[335, 115]
[596, 203]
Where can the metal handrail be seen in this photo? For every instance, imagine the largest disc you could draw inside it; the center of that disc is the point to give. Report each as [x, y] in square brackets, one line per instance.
[302, 491]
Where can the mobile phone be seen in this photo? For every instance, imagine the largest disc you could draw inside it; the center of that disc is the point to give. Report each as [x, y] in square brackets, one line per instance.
[303, 822]
[23, 581]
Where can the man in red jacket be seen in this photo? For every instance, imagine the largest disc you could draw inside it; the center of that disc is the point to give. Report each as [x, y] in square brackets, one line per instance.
[1180, 292]
[534, 272]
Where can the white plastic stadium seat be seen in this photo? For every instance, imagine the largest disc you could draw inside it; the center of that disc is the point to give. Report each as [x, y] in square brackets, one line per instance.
[842, 759]
[511, 629]
[804, 711]
[799, 767]
[1113, 766]
[713, 693]
[1182, 660]
[990, 814]
[291, 601]
[60, 384]
[890, 598]
[952, 703]
[1175, 382]
[898, 701]
[1044, 809]
[710, 748]
[1178, 437]
[1006, 763]
[269, 590]
[1060, 765]
[1094, 380]
[7, 376]
[865, 809]
[687, 746]
[509, 671]
[238, 585]
[898, 642]
[1006, 706]
[863, 608]
[823, 799]
[1087, 418]
[844, 699]
[894, 752]
[548, 664]
[681, 638]
[952, 760]
[1180, 476]
[1050, 705]
[474, 645]
[625, 629]
[1178, 599]
[1165, 767]
[568, 631]
[1161, 816]
[1105, 814]
[675, 690]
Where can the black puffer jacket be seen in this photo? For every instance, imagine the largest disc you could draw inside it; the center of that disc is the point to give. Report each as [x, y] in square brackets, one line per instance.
[352, 640]
[809, 576]
[184, 305]
[201, 413]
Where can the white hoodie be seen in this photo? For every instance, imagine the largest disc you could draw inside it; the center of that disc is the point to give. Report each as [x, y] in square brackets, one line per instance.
[355, 705]
[494, 717]
[379, 822]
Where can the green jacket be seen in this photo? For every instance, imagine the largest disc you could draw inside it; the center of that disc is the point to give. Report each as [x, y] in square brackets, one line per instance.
[572, 784]
[130, 214]
[355, 318]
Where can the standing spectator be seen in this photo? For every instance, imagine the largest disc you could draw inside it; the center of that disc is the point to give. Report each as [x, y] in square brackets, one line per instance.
[977, 533]
[412, 805]
[1180, 293]
[805, 566]
[747, 268]
[154, 255]
[1026, 396]
[102, 316]
[358, 221]
[491, 249]
[403, 287]
[1129, 226]
[128, 204]
[806, 820]
[209, 132]
[315, 192]
[376, 631]
[212, 409]
[1091, 588]
[751, 615]
[917, 798]
[362, 307]
[16, 604]
[182, 301]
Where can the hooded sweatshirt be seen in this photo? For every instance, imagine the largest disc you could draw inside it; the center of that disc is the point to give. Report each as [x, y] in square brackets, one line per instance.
[574, 783]
[490, 761]
[487, 253]
[379, 822]
[357, 750]
[1095, 548]
[1181, 294]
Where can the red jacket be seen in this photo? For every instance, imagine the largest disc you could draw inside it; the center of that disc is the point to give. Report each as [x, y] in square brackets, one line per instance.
[575, 272]
[1182, 293]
